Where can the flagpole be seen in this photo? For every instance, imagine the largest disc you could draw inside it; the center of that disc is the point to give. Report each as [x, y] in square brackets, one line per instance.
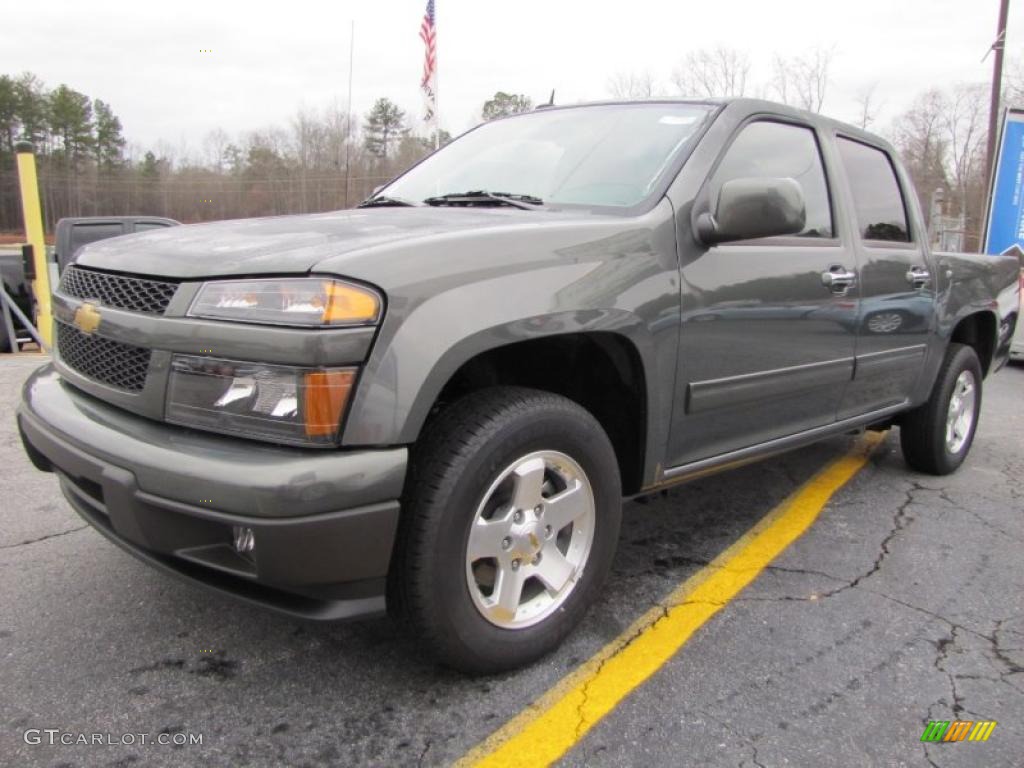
[437, 80]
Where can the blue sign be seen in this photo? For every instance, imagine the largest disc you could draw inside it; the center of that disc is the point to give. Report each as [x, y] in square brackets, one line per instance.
[1006, 207]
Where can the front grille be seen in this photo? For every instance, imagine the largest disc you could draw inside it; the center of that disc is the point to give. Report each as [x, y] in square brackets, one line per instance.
[135, 294]
[107, 361]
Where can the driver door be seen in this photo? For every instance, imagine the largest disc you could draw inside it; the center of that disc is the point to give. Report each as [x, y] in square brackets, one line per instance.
[767, 338]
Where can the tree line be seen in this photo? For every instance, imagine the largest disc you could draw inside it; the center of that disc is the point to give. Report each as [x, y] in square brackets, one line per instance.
[329, 159]
[323, 160]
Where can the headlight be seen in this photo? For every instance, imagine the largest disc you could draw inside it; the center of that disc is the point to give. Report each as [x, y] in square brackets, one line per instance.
[280, 403]
[309, 301]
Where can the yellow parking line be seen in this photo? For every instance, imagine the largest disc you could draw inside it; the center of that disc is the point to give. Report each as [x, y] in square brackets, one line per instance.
[550, 726]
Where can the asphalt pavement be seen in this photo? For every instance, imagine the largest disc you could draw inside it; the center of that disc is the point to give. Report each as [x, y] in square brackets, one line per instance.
[904, 603]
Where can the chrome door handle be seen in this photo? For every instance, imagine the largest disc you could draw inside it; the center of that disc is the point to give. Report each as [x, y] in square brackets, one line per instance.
[918, 277]
[838, 279]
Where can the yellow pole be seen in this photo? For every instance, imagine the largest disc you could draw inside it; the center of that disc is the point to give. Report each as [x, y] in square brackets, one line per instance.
[33, 215]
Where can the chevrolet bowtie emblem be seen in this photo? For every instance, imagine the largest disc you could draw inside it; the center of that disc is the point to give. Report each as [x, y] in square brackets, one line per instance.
[87, 318]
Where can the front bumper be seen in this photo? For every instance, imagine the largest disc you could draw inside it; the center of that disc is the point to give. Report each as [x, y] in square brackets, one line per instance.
[324, 521]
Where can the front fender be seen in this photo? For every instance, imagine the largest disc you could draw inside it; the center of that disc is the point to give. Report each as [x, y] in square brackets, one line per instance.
[411, 365]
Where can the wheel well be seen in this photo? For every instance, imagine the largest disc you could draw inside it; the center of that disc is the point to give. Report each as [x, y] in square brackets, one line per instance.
[978, 331]
[600, 371]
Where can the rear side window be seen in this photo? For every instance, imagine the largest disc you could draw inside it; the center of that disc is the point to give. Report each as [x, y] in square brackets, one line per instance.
[145, 226]
[877, 199]
[780, 150]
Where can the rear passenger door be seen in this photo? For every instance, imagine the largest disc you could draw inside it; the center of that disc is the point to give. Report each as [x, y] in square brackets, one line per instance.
[768, 325]
[897, 299]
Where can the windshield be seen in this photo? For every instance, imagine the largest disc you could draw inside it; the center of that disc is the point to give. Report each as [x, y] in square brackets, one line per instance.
[609, 155]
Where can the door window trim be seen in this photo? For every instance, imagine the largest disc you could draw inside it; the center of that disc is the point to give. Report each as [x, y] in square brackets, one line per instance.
[913, 244]
[702, 201]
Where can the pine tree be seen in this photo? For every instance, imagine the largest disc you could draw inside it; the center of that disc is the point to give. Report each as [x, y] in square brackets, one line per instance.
[33, 109]
[384, 126]
[8, 114]
[108, 142]
[70, 116]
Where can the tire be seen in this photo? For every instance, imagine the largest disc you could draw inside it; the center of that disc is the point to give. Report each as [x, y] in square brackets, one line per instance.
[925, 436]
[456, 484]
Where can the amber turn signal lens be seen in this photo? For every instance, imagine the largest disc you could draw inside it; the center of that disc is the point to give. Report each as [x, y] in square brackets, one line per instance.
[326, 395]
[347, 303]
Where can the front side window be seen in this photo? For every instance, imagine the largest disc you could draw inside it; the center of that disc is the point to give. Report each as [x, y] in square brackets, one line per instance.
[608, 155]
[780, 150]
[877, 200]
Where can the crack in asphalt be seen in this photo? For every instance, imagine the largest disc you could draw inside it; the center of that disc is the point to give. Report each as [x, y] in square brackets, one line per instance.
[900, 521]
[582, 722]
[44, 538]
[942, 649]
[423, 754]
[983, 521]
[750, 741]
[944, 646]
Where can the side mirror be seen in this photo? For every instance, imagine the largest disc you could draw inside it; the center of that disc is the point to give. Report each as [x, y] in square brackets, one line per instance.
[752, 208]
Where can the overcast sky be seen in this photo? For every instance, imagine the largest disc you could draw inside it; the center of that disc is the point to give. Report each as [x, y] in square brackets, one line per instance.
[270, 59]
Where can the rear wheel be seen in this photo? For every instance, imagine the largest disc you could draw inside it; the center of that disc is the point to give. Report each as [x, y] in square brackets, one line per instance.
[937, 436]
[509, 525]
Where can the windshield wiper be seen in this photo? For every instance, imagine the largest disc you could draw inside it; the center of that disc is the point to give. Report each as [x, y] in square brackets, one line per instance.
[482, 197]
[380, 201]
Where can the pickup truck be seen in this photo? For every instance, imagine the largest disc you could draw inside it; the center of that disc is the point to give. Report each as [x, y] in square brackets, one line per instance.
[434, 404]
[72, 233]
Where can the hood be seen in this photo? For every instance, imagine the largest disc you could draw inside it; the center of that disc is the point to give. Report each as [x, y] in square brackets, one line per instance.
[296, 244]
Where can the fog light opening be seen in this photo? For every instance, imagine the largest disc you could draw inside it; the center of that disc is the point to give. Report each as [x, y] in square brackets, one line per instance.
[245, 539]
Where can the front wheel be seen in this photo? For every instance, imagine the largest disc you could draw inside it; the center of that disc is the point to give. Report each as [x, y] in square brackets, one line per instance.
[937, 436]
[509, 524]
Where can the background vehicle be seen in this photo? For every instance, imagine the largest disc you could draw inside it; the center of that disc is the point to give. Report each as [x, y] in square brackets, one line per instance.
[435, 403]
[72, 234]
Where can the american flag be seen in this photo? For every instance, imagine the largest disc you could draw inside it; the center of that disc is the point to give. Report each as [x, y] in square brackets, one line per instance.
[428, 33]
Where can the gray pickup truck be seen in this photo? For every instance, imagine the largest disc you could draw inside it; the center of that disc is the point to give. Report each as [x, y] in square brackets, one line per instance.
[72, 233]
[436, 403]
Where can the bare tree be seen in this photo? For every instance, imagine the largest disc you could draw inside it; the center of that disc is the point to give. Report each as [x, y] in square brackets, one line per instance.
[941, 139]
[631, 85]
[214, 144]
[1013, 84]
[867, 105]
[964, 122]
[713, 72]
[918, 134]
[802, 81]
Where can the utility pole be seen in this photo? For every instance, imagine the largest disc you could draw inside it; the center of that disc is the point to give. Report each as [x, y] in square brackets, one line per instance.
[997, 80]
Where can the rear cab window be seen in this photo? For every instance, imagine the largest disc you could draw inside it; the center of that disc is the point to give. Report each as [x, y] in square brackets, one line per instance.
[879, 208]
